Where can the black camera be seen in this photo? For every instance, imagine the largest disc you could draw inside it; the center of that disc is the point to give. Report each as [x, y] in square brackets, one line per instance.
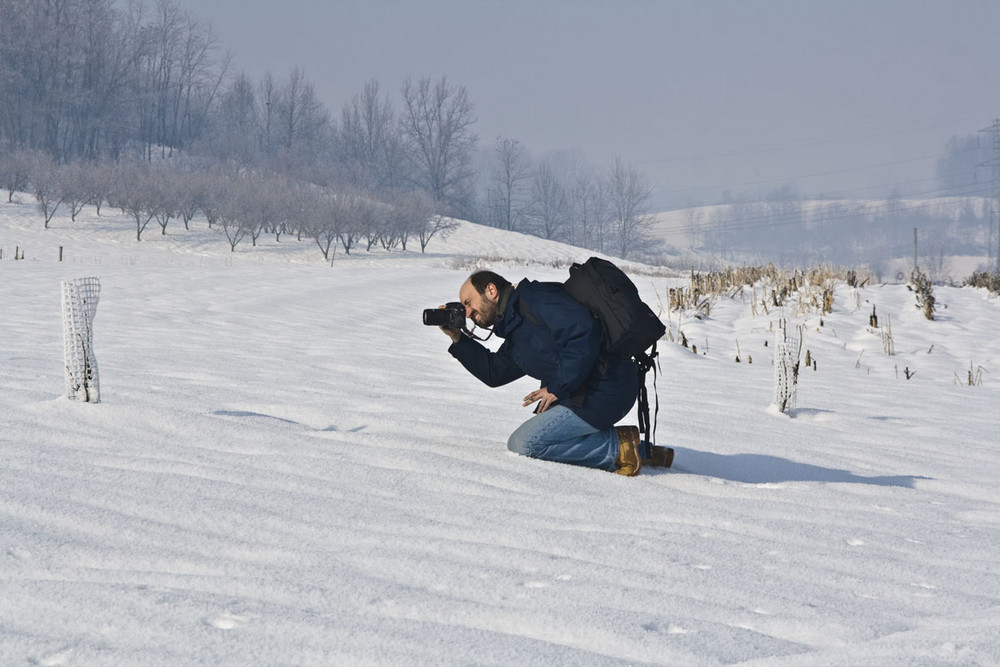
[452, 316]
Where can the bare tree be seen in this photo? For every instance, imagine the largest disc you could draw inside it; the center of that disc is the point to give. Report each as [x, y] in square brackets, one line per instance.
[219, 186]
[98, 181]
[199, 79]
[432, 226]
[267, 104]
[590, 209]
[550, 205]
[436, 123]
[508, 193]
[46, 186]
[119, 90]
[352, 223]
[369, 141]
[322, 219]
[258, 204]
[192, 190]
[177, 78]
[133, 193]
[89, 78]
[397, 232]
[303, 121]
[412, 214]
[15, 171]
[159, 76]
[73, 182]
[238, 123]
[628, 195]
[166, 197]
[284, 195]
[237, 201]
[375, 223]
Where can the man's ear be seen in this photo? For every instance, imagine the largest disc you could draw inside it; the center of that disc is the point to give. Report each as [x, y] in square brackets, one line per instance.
[492, 291]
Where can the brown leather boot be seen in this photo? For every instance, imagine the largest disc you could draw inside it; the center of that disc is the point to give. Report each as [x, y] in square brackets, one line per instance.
[629, 462]
[659, 457]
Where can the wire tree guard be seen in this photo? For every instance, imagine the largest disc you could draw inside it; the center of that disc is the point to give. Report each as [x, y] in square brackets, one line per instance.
[79, 306]
[786, 372]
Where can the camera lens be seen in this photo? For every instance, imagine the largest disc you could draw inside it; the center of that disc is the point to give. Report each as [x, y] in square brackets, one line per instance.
[452, 316]
[435, 317]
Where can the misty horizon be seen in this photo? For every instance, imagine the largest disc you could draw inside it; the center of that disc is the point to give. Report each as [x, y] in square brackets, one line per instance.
[850, 100]
[575, 122]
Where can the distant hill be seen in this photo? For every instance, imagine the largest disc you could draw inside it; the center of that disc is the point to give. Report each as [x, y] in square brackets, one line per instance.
[953, 234]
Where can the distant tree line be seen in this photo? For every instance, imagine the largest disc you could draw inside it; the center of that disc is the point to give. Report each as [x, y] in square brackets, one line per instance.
[244, 204]
[951, 216]
[86, 85]
[963, 168]
[565, 200]
[782, 228]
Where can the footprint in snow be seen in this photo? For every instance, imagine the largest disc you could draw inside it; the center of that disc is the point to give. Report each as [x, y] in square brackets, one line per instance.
[53, 660]
[226, 620]
[544, 584]
[671, 629]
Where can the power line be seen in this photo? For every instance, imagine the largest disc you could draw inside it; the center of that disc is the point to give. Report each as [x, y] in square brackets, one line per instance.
[801, 176]
[995, 195]
[830, 211]
[862, 133]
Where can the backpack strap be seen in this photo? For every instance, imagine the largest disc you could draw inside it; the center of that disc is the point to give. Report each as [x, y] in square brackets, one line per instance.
[526, 313]
[643, 363]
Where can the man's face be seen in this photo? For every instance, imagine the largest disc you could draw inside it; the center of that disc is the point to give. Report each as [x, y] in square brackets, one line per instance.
[480, 308]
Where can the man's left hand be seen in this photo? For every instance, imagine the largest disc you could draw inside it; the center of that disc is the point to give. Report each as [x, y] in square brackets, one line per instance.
[544, 398]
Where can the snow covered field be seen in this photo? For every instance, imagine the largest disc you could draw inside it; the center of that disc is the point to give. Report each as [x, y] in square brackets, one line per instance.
[287, 468]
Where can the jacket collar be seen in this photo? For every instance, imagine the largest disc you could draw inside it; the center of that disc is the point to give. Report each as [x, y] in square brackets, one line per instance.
[507, 316]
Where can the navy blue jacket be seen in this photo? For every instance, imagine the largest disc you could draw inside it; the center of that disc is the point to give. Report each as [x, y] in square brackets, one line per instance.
[557, 342]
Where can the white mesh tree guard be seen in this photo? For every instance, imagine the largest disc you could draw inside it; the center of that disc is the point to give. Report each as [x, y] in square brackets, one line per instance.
[79, 306]
[786, 372]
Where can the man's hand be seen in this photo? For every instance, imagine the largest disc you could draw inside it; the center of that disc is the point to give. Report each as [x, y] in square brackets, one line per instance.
[454, 334]
[544, 398]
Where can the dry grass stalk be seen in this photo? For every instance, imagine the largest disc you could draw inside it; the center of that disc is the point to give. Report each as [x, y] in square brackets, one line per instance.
[987, 279]
[812, 289]
[888, 344]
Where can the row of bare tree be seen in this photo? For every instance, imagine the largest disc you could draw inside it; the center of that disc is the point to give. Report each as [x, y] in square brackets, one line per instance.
[244, 204]
[94, 80]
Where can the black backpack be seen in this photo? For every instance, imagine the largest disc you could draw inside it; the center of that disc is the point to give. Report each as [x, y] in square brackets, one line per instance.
[630, 327]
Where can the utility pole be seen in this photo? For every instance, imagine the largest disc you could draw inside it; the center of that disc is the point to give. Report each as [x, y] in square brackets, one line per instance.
[993, 260]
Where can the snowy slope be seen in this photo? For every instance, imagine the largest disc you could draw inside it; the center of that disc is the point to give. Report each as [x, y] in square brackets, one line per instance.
[287, 468]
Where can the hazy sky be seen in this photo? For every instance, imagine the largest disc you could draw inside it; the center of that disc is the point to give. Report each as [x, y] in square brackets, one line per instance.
[848, 97]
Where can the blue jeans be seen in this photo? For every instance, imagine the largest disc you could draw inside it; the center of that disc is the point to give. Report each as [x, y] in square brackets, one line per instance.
[559, 435]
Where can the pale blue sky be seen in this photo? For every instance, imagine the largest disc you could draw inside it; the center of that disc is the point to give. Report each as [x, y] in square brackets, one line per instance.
[850, 97]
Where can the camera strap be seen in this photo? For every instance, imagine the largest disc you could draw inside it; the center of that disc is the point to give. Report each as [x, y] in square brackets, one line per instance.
[473, 336]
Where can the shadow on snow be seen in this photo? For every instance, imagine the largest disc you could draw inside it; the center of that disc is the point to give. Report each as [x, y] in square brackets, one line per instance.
[763, 469]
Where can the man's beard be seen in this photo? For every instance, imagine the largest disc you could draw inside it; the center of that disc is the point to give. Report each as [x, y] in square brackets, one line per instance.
[487, 314]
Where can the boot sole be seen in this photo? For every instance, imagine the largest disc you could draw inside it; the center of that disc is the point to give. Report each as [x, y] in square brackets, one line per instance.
[665, 460]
